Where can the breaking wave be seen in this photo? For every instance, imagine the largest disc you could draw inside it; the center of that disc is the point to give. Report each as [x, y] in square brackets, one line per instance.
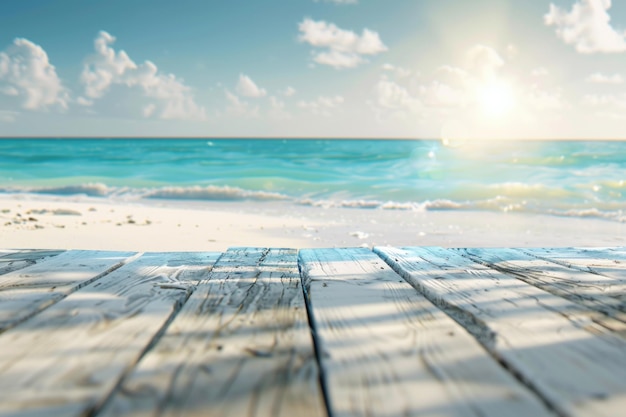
[207, 193]
[549, 202]
[212, 193]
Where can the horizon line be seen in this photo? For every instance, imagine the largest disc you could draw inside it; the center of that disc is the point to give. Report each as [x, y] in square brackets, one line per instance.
[302, 138]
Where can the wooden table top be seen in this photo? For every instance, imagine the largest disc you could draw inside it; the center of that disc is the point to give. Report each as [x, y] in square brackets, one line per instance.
[416, 331]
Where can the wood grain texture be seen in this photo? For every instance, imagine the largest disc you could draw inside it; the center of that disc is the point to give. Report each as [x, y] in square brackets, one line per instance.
[25, 254]
[27, 291]
[594, 292]
[66, 360]
[387, 351]
[609, 262]
[241, 346]
[528, 329]
[13, 260]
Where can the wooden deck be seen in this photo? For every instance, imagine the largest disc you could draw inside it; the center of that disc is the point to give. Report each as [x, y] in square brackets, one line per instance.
[320, 332]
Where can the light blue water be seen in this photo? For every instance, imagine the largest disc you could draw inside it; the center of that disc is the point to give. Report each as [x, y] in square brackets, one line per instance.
[572, 178]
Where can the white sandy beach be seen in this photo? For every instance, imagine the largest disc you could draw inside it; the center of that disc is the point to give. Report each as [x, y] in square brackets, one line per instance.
[47, 222]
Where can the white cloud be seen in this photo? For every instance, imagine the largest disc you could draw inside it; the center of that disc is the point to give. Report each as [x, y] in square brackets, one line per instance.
[539, 72]
[289, 92]
[612, 106]
[464, 93]
[483, 61]
[322, 105]
[9, 91]
[26, 72]
[544, 100]
[343, 48]
[338, 59]
[397, 71]
[612, 115]
[616, 101]
[277, 109]
[84, 102]
[453, 73]
[438, 94]
[247, 88]
[238, 107]
[276, 103]
[390, 95]
[450, 88]
[149, 109]
[106, 67]
[511, 51]
[587, 26]
[169, 97]
[600, 78]
[235, 104]
[8, 116]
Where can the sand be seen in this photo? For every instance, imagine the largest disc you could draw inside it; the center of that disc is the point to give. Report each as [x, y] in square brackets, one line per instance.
[51, 222]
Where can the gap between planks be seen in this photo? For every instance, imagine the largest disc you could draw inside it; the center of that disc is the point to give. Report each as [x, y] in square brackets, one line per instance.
[592, 291]
[68, 358]
[530, 330]
[384, 350]
[29, 290]
[172, 318]
[240, 345]
[13, 260]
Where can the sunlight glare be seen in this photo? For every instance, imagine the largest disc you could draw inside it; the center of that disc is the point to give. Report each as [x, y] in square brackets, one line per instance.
[496, 99]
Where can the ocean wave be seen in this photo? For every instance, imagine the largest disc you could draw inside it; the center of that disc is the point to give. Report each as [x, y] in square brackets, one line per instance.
[209, 193]
[618, 215]
[434, 205]
[90, 190]
[212, 193]
[517, 203]
[326, 203]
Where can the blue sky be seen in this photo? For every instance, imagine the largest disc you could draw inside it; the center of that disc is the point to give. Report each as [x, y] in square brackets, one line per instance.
[328, 68]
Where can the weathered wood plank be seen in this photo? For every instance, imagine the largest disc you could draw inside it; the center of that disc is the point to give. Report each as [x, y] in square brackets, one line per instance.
[66, 360]
[9, 252]
[241, 346]
[25, 254]
[14, 260]
[387, 351]
[610, 262]
[593, 291]
[578, 373]
[27, 291]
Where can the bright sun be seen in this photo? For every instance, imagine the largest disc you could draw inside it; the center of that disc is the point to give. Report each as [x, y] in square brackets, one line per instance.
[496, 99]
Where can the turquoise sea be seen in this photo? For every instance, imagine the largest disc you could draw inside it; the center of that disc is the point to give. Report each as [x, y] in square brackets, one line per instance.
[564, 178]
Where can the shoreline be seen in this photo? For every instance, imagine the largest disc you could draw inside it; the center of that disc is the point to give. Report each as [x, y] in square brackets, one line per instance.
[54, 222]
